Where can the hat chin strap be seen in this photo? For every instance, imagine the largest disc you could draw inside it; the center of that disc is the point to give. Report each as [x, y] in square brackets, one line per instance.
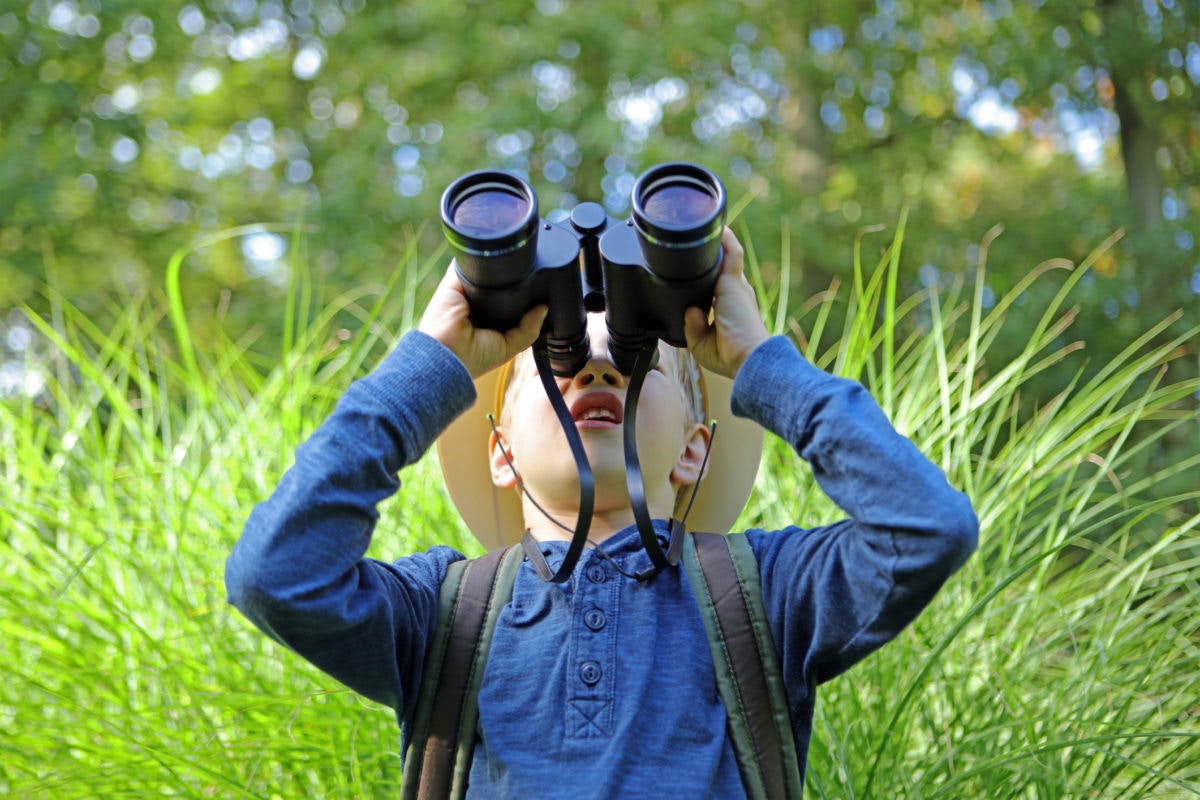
[634, 481]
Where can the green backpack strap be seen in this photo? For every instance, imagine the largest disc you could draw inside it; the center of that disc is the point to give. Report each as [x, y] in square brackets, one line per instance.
[724, 576]
[438, 759]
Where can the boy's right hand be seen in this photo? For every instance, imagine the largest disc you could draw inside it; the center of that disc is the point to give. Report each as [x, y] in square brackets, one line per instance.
[447, 319]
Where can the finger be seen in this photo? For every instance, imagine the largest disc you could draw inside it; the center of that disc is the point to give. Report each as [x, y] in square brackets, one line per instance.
[695, 325]
[451, 281]
[733, 262]
[447, 306]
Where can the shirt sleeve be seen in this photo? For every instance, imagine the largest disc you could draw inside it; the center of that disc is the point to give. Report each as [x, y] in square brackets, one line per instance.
[299, 572]
[836, 593]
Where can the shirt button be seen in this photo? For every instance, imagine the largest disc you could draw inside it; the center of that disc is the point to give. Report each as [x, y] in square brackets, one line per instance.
[590, 673]
[595, 619]
[596, 573]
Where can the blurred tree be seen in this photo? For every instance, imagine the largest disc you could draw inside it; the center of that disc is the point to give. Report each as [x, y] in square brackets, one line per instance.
[128, 128]
[1060, 121]
[1130, 68]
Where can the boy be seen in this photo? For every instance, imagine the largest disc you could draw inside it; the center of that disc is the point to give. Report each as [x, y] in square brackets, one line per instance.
[600, 686]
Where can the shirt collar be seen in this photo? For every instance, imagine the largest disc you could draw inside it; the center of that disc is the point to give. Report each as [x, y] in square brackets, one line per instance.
[625, 546]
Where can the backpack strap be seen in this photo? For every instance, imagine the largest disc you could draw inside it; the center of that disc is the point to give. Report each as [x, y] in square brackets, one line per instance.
[724, 576]
[723, 573]
[438, 758]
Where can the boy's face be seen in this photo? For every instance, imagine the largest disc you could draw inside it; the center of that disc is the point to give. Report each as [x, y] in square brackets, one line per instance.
[669, 443]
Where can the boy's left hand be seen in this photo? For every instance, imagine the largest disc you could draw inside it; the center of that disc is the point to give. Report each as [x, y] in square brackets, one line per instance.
[737, 328]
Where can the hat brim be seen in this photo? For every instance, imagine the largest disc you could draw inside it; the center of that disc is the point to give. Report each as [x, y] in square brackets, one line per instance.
[495, 516]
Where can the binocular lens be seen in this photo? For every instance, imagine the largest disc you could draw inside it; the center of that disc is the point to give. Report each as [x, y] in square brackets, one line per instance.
[679, 213]
[682, 204]
[489, 210]
[643, 275]
[490, 220]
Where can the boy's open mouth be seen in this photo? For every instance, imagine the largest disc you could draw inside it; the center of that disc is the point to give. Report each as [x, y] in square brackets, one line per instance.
[596, 410]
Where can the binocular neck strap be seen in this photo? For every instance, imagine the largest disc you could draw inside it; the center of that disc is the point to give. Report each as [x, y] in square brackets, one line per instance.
[634, 481]
[587, 483]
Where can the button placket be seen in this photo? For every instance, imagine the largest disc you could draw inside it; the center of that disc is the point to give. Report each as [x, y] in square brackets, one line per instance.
[592, 653]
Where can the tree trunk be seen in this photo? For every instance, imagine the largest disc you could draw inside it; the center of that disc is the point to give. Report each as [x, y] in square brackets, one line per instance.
[1139, 138]
[1139, 154]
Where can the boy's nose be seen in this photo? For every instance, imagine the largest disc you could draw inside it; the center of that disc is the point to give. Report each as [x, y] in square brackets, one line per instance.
[599, 369]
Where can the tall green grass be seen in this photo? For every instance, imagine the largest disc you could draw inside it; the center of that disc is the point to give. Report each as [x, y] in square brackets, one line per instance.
[1063, 661]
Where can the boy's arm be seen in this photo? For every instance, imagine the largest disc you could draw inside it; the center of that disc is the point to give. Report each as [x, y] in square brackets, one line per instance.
[298, 572]
[835, 594]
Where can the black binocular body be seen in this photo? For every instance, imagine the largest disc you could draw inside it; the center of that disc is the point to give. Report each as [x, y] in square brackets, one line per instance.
[643, 272]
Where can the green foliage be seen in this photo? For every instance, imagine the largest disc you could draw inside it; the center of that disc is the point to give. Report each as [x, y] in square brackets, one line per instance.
[1047, 668]
[131, 128]
[1062, 662]
[1058, 394]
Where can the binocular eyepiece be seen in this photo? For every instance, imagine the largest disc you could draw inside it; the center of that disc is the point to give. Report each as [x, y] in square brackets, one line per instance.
[643, 272]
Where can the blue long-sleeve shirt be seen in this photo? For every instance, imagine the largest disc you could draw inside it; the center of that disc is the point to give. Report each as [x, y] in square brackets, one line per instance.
[601, 686]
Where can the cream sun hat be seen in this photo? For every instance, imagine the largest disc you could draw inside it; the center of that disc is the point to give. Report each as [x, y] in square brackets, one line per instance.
[495, 515]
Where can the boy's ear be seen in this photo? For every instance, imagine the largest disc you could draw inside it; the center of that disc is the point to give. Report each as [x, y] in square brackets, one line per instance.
[503, 476]
[687, 466]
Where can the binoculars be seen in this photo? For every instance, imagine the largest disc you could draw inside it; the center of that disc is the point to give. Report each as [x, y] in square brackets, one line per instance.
[643, 272]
